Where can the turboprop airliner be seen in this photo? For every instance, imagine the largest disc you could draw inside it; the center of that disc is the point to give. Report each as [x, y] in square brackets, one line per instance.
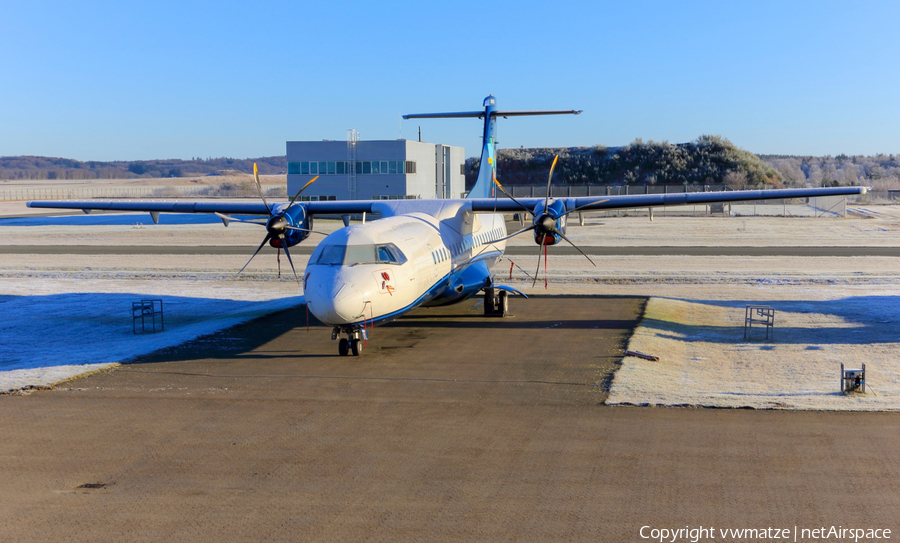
[420, 252]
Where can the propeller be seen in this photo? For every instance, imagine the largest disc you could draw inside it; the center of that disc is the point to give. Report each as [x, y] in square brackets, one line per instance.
[277, 226]
[544, 224]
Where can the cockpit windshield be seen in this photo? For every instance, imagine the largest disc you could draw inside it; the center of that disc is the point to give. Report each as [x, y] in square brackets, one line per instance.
[351, 255]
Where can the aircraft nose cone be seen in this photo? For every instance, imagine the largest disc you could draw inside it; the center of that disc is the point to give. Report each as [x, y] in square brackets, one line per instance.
[342, 304]
[348, 303]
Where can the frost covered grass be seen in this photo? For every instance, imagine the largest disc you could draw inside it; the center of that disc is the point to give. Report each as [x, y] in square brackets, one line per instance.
[52, 329]
[705, 360]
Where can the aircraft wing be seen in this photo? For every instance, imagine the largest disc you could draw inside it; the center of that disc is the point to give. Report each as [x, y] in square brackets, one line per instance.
[156, 206]
[595, 203]
[499, 204]
[206, 206]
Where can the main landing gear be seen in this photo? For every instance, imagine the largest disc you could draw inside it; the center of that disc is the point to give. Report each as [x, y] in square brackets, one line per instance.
[496, 299]
[496, 302]
[353, 343]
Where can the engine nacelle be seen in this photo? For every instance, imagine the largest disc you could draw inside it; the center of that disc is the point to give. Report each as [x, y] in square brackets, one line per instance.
[549, 222]
[298, 217]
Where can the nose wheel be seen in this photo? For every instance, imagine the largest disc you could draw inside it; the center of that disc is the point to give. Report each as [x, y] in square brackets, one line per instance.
[353, 343]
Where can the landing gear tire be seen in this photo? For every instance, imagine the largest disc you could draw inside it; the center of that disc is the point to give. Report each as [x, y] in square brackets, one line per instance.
[353, 343]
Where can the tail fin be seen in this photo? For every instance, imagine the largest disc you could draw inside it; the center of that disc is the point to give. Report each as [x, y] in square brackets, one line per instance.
[487, 170]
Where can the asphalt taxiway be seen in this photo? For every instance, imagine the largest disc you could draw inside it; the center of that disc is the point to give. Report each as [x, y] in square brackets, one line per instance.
[451, 426]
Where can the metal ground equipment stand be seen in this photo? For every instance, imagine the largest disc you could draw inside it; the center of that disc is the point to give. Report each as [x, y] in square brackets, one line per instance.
[759, 314]
[853, 380]
[147, 310]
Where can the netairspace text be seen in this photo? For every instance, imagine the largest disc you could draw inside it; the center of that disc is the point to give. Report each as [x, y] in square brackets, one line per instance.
[795, 534]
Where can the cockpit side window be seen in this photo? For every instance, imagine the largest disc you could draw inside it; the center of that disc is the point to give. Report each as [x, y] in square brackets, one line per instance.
[395, 255]
[384, 255]
[350, 255]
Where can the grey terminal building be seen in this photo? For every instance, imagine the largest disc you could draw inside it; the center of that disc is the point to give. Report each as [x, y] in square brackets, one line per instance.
[378, 169]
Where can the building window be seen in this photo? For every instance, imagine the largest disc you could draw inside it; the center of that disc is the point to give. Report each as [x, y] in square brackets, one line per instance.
[362, 167]
[462, 169]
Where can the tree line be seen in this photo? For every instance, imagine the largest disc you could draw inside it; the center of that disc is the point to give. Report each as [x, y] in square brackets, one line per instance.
[705, 161]
[880, 171]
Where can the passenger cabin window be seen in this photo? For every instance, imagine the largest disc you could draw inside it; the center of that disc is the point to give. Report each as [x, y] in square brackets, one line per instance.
[351, 255]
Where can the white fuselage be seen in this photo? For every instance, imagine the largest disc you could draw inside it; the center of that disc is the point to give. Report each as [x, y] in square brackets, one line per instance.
[377, 271]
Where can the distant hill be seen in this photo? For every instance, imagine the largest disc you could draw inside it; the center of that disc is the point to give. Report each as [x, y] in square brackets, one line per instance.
[39, 167]
[707, 160]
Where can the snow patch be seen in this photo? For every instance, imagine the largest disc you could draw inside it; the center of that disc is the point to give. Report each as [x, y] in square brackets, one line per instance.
[705, 360]
[52, 329]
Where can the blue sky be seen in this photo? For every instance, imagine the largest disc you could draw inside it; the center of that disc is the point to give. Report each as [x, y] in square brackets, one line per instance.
[97, 80]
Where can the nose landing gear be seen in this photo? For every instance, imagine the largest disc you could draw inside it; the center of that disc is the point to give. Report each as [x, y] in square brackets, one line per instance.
[353, 343]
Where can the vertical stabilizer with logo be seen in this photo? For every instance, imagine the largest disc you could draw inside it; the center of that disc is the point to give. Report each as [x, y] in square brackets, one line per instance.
[484, 185]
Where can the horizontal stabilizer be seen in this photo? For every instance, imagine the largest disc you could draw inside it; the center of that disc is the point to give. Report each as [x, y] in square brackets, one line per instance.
[505, 114]
[451, 115]
[480, 114]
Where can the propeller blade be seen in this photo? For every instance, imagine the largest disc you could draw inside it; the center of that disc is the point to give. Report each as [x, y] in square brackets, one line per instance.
[538, 270]
[304, 230]
[266, 240]
[522, 231]
[232, 219]
[563, 236]
[579, 208]
[288, 253]
[510, 196]
[259, 188]
[549, 179]
[299, 192]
